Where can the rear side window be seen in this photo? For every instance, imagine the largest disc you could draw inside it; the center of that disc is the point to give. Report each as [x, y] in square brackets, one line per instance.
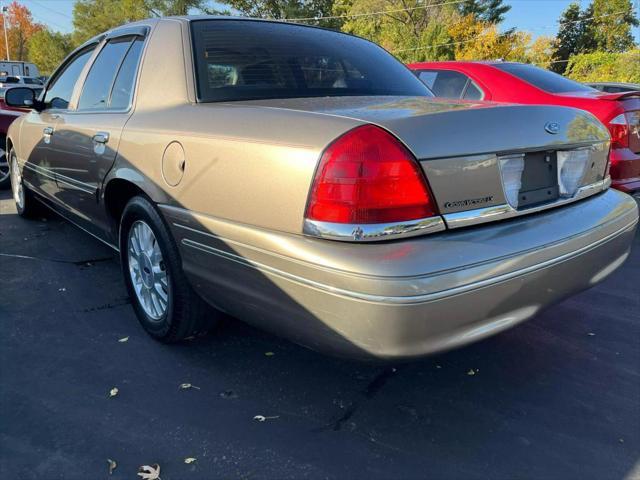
[472, 92]
[542, 79]
[122, 91]
[59, 92]
[244, 60]
[450, 84]
[95, 93]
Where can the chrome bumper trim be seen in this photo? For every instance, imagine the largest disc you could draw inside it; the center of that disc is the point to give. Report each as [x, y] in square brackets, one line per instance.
[374, 231]
[504, 211]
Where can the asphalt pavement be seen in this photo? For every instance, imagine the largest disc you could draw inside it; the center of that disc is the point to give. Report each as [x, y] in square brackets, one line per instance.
[555, 398]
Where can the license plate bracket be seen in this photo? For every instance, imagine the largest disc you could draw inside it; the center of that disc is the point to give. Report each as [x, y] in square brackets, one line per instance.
[539, 179]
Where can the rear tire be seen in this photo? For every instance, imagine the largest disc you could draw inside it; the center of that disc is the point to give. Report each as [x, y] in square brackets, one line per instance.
[26, 203]
[5, 170]
[165, 303]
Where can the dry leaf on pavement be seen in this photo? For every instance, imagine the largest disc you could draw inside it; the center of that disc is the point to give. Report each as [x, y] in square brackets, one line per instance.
[186, 386]
[123, 339]
[150, 472]
[113, 392]
[112, 465]
[262, 418]
[189, 460]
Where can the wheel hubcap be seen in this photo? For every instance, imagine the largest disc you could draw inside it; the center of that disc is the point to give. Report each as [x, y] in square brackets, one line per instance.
[147, 269]
[16, 183]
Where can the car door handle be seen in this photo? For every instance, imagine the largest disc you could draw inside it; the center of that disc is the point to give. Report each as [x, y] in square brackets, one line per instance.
[101, 137]
[47, 130]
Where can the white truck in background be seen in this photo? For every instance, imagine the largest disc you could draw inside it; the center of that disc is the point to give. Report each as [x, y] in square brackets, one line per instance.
[22, 69]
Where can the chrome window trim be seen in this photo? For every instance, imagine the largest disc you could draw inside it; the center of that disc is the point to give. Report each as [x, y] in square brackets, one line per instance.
[501, 212]
[372, 232]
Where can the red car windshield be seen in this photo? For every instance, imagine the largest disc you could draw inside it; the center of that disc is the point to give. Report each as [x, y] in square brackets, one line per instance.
[543, 79]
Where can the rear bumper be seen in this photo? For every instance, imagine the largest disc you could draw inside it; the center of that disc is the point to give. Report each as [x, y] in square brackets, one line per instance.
[407, 298]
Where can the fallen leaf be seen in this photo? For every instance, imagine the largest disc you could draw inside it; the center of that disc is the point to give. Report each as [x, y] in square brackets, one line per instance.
[62, 289]
[189, 460]
[123, 339]
[150, 472]
[186, 386]
[471, 372]
[591, 334]
[113, 392]
[262, 418]
[112, 465]
[269, 354]
[438, 366]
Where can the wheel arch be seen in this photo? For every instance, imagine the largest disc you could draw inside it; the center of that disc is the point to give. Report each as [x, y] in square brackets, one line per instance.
[121, 186]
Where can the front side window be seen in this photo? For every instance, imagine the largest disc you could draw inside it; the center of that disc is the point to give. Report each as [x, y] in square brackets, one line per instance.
[244, 60]
[542, 79]
[59, 93]
[95, 93]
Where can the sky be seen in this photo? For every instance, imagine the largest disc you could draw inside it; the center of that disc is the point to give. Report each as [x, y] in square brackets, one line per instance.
[536, 16]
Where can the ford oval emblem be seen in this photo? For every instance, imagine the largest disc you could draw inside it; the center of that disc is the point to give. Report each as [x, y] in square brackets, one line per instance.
[552, 128]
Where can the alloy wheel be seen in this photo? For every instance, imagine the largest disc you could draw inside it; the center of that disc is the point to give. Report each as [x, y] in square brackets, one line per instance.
[148, 271]
[16, 183]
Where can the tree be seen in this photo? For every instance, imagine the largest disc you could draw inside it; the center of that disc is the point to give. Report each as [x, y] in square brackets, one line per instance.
[605, 67]
[92, 17]
[491, 11]
[541, 51]
[569, 37]
[413, 30]
[610, 25]
[47, 49]
[479, 40]
[20, 27]
[284, 9]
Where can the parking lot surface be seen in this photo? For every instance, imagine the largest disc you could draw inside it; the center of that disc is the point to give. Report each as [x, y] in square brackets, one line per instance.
[557, 397]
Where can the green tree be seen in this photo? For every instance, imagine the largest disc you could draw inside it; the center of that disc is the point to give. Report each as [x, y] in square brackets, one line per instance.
[610, 25]
[605, 67]
[47, 49]
[286, 9]
[569, 38]
[91, 17]
[413, 30]
[491, 11]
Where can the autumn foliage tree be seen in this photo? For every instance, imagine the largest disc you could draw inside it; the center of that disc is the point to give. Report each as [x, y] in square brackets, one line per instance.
[20, 28]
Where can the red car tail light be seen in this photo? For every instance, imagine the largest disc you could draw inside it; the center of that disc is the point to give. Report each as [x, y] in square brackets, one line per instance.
[619, 130]
[367, 176]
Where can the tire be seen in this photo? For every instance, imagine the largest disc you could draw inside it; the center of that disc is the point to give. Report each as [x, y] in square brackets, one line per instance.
[179, 313]
[5, 177]
[26, 204]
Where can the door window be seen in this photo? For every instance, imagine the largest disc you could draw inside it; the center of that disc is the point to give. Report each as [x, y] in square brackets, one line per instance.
[59, 93]
[95, 93]
[122, 91]
[472, 92]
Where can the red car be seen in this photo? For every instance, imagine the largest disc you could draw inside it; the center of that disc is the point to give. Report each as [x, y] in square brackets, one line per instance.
[521, 83]
[7, 116]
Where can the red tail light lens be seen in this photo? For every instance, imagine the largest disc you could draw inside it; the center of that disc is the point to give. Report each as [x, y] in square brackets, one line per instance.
[619, 130]
[368, 176]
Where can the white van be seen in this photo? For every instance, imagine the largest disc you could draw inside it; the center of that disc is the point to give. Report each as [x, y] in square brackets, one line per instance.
[24, 69]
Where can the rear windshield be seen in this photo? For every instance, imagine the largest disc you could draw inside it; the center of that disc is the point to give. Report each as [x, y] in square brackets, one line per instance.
[543, 79]
[245, 60]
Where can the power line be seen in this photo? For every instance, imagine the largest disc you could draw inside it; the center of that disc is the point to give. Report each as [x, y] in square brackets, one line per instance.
[48, 8]
[382, 12]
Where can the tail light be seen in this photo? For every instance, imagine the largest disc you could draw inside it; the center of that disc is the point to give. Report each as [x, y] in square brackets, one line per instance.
[367, 176]
[619, 130]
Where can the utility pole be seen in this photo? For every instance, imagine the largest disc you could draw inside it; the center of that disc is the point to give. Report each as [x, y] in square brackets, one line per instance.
[4, 27]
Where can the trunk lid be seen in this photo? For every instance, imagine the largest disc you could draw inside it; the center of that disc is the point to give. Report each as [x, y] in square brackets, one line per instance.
[484, 161]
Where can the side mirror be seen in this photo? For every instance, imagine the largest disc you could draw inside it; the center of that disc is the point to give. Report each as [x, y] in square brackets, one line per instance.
[21, 97]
